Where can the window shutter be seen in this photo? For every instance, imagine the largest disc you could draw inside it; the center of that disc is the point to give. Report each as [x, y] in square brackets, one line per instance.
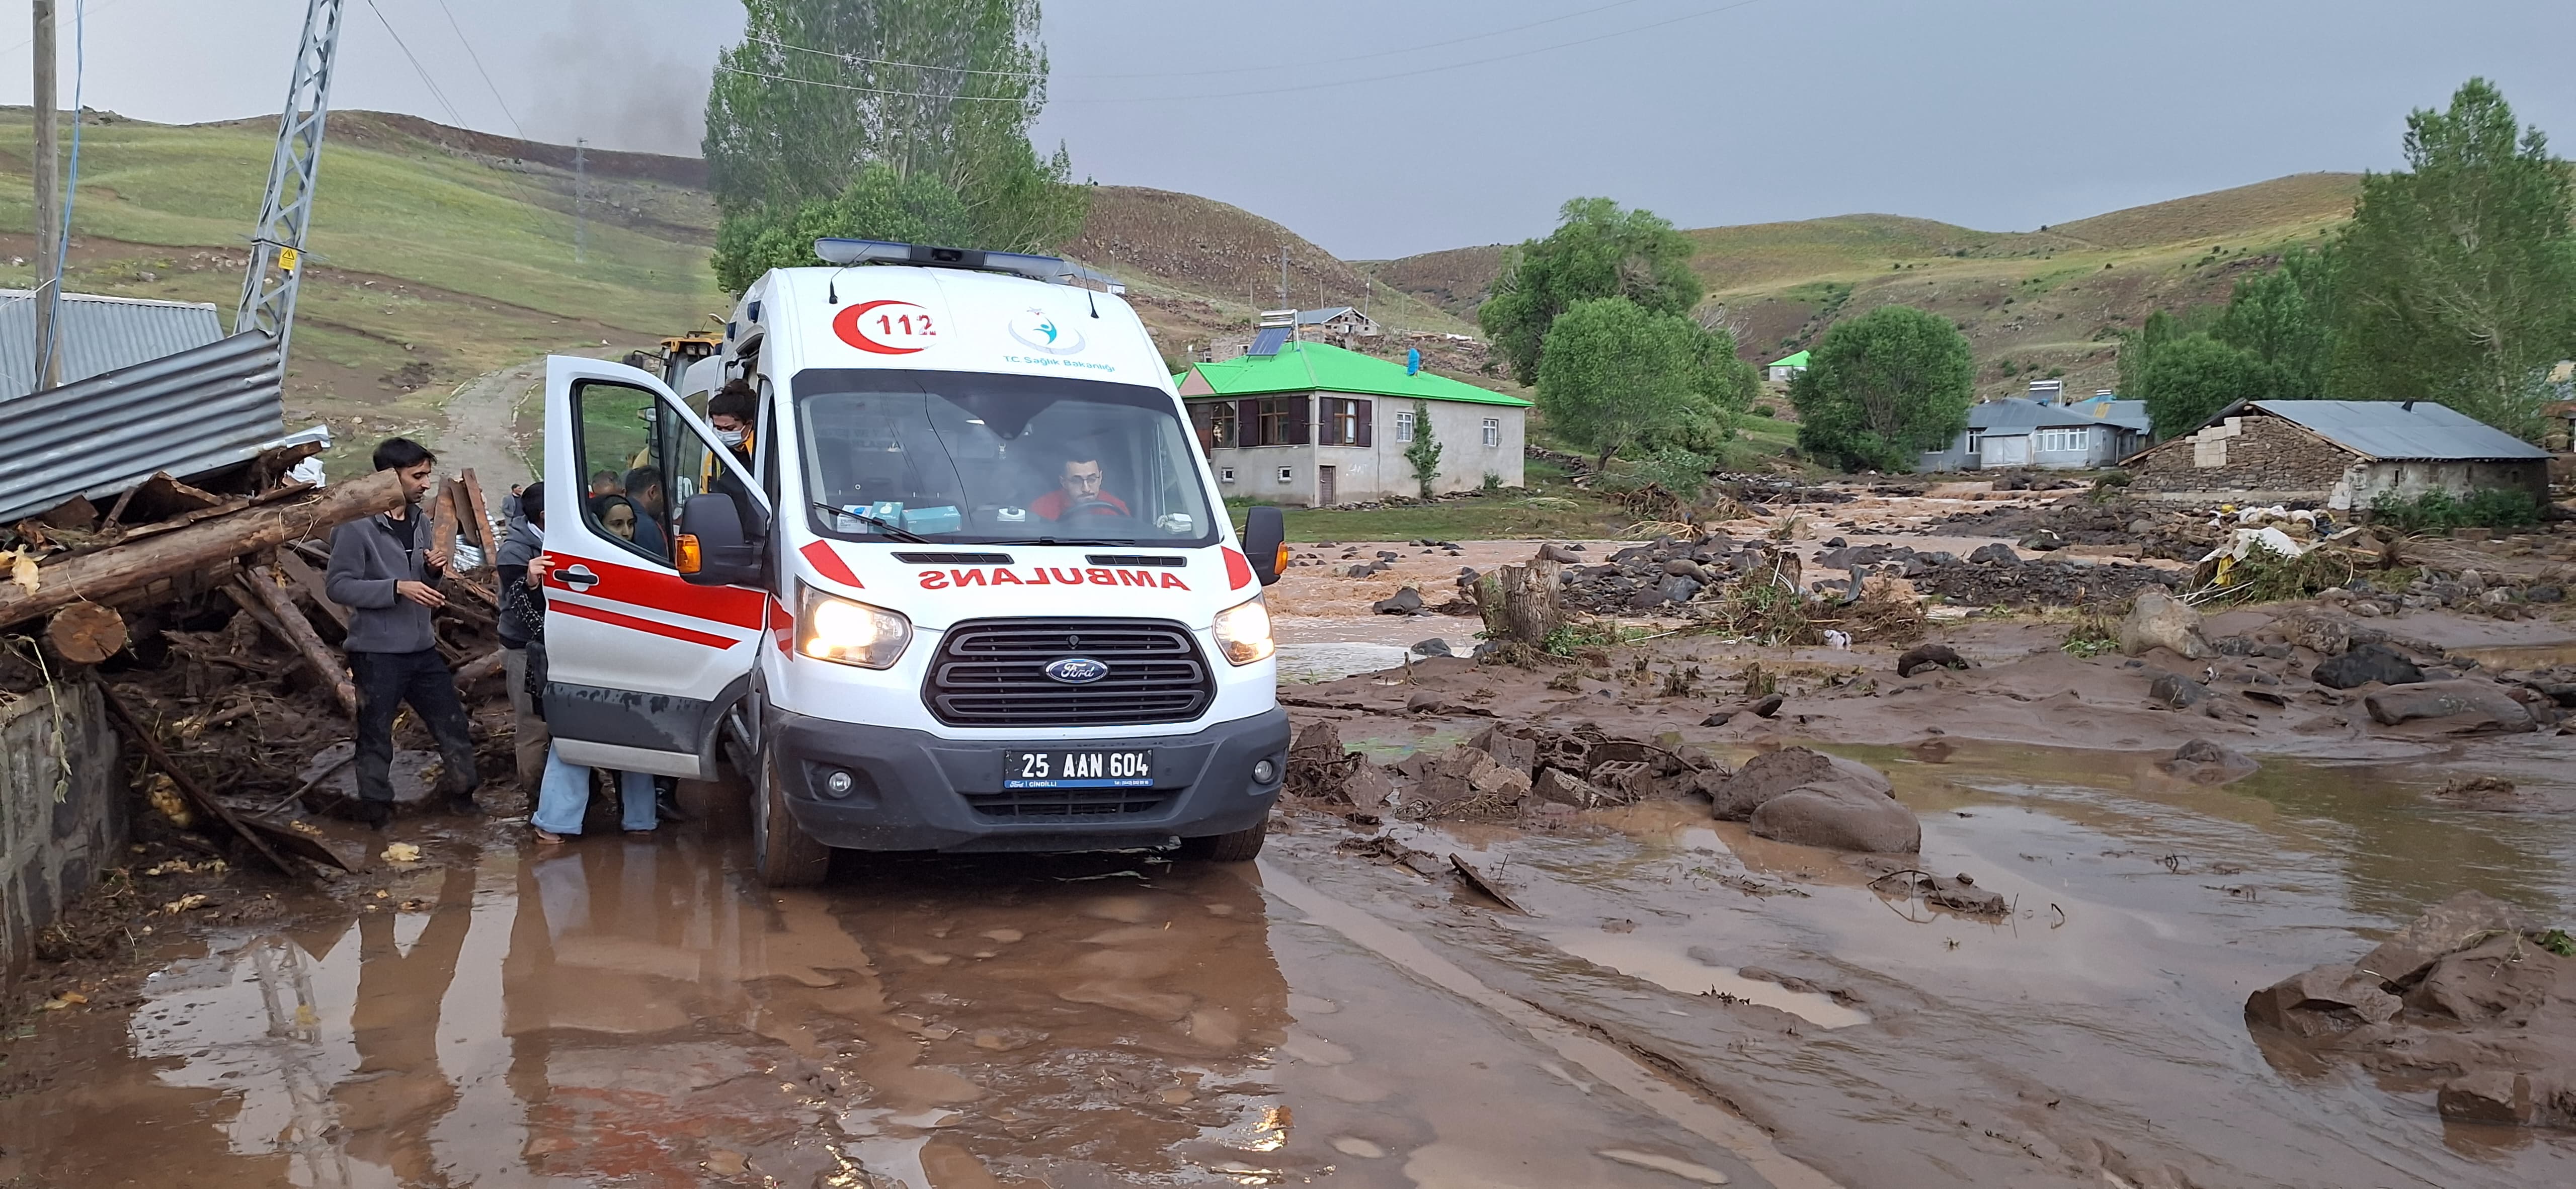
[1366, 409]
[1301, 421]
[1247, 423]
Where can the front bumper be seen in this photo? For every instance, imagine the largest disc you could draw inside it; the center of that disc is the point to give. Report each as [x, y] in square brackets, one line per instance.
[912, 790]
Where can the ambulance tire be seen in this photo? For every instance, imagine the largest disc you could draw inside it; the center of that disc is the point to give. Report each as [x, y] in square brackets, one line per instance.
[782, 853]
[1242, 846]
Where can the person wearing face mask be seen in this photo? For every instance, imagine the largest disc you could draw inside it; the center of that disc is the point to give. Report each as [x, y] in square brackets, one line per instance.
[733, 411]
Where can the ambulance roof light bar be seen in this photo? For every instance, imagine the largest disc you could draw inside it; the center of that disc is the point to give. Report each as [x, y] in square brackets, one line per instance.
[847, 252]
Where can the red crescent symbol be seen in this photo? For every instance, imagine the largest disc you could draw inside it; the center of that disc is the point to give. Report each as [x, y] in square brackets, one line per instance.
[846, 325]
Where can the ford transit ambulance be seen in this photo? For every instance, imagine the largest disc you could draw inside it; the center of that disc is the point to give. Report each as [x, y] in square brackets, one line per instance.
[963, 581]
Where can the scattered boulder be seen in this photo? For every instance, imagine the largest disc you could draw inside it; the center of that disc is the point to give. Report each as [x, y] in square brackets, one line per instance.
[1680, 589]
[1769, 705]
[2503, 979]
[1925, 656]
[2330, 999]
[2175, 691]
[2451, 925]
[2158, 620]
[1559, 553]
[2363, 664]
[1719, 719]
[1839, 818]
[1998, 554]
[1407, 601]
[1425, 701]
[1434, 646]
[1774, 773]
[2203, 762]
[2325, 635]
[1369, 787]
[2461, 707]
[2495, 1096]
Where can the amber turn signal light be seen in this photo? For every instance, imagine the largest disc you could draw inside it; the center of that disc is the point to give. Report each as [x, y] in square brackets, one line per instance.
[1279, 565]
[686, 555]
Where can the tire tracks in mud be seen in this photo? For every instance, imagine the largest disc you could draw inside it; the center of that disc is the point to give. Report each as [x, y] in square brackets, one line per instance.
[1635, 1074]
[482, 431]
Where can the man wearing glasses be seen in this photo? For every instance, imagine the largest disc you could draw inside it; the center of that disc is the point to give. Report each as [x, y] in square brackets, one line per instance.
[1078, 493]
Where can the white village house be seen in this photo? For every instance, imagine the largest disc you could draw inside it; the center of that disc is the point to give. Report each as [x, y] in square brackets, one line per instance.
[1313, 424]
[2046, 435]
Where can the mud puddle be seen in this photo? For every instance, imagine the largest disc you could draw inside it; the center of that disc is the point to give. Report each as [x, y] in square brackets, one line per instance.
[2093, 1034]
[638, 1013]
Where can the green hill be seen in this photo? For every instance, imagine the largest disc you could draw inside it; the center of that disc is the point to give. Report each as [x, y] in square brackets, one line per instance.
[2031, 303]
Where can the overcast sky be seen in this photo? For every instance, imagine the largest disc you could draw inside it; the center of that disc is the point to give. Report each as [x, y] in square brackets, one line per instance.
[1997, 114]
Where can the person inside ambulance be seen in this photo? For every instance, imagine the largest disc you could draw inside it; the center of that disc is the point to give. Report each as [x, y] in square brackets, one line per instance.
[1078, 493]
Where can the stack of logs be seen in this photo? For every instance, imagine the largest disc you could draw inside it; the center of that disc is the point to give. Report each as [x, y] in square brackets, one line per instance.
[168, 553]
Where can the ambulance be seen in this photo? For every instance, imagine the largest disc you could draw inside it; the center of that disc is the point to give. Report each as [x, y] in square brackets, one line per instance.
[952, 575]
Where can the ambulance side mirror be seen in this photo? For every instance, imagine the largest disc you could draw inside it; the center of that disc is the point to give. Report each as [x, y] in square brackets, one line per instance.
[715, 547]
[1265, 542]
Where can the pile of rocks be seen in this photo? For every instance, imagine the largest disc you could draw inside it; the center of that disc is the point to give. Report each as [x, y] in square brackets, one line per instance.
[1382, 561]
[2465, 590]
[2156, 531]
[2473, 993]
[1996, 575]
[1663, 574]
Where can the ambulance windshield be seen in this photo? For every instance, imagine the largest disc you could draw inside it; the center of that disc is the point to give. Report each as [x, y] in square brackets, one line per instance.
[973, 457]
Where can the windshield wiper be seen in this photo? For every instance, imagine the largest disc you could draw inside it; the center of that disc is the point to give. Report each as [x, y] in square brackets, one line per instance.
[885, 528]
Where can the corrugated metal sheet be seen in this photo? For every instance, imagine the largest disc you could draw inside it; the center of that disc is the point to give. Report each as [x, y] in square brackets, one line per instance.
[183, 413]
[2393, 431]
[99, 335]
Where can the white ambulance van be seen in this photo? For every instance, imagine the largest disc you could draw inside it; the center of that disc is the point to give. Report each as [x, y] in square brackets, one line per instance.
[965, 583]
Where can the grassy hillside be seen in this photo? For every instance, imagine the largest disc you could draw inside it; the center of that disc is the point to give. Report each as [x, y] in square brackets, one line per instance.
[2031, 303]
[435, 256]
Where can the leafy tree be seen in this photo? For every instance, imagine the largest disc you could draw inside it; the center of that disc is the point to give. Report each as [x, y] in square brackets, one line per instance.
[2460, 271]
[1424, 451]
[1596, 251]
[1614, 371]
[822, 91]
[2195, 376]
[879, 205]
[2285, 319]
[1884, 387]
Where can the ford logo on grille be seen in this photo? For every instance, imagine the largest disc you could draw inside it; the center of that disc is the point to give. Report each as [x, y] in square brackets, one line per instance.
[1076, 670]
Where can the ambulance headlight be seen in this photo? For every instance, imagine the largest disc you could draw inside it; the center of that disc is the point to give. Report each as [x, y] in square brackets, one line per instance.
[1243, 632]
[850, 633]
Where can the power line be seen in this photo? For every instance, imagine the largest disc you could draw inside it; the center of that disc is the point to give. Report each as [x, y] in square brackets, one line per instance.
[104, 5]
[416, 67]
[477, 59]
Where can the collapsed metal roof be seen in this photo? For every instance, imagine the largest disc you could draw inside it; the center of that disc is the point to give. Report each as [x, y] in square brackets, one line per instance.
[208, 406]
[99, 335]
[2391, 431]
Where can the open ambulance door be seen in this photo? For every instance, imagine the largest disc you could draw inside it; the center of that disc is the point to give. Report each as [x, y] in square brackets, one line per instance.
[640, 664]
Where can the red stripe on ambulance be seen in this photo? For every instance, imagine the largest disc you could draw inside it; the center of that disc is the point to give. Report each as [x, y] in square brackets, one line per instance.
[1050, 576]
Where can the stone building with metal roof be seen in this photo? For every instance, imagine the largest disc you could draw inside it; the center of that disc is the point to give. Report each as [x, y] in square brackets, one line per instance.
[2340, 454]
[1316, 425]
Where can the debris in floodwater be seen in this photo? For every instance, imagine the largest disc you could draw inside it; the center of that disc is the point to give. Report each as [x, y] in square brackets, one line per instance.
[1696, 1173]
[1478, 880]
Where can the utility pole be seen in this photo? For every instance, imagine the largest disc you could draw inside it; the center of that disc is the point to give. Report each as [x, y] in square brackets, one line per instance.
[580, 189]
[1283, 275]
[276, 267]
[49, 201]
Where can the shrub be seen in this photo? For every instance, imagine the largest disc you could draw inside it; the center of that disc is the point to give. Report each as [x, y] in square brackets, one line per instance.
[2438, 511]
[1765, 411]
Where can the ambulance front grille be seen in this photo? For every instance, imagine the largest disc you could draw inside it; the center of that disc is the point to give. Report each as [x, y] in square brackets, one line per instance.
[991, 673]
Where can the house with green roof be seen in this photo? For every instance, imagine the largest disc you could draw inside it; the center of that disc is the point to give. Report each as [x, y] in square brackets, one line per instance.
[1314, 424]
[1786, 368]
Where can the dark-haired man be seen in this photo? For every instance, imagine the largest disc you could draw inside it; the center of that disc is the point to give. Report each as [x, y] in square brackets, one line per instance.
[386, 570]
[1078, 491]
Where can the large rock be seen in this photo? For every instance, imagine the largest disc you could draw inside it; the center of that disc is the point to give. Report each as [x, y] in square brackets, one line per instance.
[2460, 707]
[2365, 663]
[2175, 691]
[1926, 656]
[2503, 979]
[2203, 762]
[1995, 554]
[1407, 601]
[2330, 999]
[2455, 924]
[1839, 818]
[2158, 620]
[2504, 1098]
[1773, 773]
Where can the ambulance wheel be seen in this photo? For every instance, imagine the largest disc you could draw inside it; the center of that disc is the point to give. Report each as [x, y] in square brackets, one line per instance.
[782, 853]
[1242, 846]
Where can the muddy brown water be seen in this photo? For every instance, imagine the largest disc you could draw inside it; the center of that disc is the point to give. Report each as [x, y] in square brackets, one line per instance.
[638, 1012]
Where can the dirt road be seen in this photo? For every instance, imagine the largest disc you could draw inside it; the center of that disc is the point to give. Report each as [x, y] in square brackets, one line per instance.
[482, 428]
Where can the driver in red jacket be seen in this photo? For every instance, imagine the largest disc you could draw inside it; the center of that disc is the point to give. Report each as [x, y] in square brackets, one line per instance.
[1078, 492]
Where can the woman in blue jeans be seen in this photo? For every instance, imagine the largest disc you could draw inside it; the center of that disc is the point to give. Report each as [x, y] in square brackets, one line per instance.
[563, 793]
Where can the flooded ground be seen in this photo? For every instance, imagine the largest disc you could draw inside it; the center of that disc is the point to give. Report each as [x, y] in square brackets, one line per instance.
[1687, 1005]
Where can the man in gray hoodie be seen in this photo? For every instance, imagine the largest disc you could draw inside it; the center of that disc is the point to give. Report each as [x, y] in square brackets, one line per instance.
[387, 572]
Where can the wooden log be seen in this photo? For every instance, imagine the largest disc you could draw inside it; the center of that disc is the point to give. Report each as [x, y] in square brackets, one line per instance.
[269, 588]
[474, 510]
[480, 667]
[87, 633]
[309, 581]
[188, 786]
[96, 576]
[442, 521]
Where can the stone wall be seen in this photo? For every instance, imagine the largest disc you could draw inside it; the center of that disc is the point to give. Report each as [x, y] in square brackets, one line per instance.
[2254, 457]
[62, 812]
